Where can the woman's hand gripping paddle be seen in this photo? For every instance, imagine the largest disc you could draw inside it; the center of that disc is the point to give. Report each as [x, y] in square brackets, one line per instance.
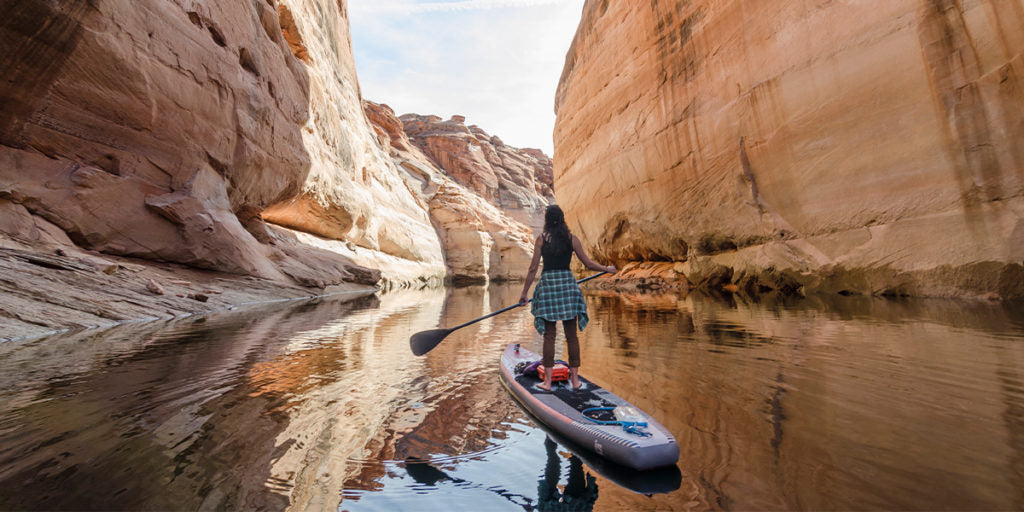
[425, 341]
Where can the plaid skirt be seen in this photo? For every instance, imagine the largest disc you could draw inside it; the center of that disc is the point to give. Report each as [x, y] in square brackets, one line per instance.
[557, 297]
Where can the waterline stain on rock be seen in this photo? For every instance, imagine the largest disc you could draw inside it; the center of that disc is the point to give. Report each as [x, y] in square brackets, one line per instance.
[882, 141]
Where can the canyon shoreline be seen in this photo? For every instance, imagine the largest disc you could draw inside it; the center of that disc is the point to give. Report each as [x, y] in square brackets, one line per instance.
[233, 137]
[228, 146]
[44, 293]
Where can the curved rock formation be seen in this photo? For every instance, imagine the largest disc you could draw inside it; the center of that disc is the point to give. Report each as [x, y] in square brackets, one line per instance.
[519, 181]
[162, 130]
[864, 147]
[480, 241]
[353, 191]
[231, 136]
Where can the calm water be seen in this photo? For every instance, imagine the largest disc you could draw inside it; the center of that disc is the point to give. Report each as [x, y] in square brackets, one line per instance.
[854, 403]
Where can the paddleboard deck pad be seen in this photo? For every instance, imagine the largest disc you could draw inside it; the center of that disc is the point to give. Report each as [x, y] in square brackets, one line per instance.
[561, 409]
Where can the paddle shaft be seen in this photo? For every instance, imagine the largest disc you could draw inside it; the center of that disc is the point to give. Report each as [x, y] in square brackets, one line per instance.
[516, 305]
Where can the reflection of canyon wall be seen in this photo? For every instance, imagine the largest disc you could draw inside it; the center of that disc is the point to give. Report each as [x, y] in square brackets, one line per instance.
[172, 131]
[861, 146]
[199, 424]
[480, 241]
[786, 406]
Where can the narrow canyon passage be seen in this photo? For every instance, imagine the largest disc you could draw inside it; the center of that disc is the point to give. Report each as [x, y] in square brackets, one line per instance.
[852, 403]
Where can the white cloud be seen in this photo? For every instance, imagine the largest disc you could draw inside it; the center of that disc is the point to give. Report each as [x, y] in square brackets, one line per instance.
[407, 7]
[499, 68]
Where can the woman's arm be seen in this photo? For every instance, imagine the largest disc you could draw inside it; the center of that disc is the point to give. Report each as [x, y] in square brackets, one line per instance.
[589, 263]
[534, 263]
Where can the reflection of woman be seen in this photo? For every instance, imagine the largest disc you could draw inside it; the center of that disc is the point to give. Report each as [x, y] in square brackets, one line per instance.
[557, 297]
[580, 492]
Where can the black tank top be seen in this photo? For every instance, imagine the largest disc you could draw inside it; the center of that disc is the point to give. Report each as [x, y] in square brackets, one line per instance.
[556, 258]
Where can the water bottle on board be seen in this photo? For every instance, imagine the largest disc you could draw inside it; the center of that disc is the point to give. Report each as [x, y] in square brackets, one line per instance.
[628, 414]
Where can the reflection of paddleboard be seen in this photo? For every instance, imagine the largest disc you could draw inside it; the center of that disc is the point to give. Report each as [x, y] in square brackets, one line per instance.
[661, 480]
[561, 410]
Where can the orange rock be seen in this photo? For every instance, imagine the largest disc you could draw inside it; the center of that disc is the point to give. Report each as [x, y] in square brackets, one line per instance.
[877, 138]
[154, 287]
[519, 181]
[191, 115]
[481, 240]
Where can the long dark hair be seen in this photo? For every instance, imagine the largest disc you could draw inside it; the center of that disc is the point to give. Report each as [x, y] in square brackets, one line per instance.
[555, 230]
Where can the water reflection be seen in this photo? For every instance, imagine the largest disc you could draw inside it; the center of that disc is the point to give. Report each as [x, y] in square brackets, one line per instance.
[846, 403]
[849, 403]
[430, 477]
[580, 491]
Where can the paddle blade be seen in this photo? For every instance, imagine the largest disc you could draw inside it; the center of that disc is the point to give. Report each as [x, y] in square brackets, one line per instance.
[425, 341]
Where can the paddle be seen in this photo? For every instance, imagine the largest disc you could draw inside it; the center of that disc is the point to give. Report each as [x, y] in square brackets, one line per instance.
[425, 341]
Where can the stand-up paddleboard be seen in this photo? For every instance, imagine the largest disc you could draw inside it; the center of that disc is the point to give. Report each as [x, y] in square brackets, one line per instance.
[587, 416]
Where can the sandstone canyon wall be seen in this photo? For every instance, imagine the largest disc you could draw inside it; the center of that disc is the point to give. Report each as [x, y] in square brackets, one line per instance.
[519, 181]
[161, 130]
[223, 135]
[485, 199]
[850, 146]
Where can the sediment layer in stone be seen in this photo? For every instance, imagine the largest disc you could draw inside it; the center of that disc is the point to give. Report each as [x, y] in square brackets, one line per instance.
[482, 241]
[873, 139]
[43, 292]
[230, 136]
[518, 181]
[164, 130]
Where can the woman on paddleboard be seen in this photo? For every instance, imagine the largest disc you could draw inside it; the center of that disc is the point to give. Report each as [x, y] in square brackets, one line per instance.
[557, 296]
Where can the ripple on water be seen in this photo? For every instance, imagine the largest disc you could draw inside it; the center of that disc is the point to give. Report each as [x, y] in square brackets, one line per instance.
[847, 404]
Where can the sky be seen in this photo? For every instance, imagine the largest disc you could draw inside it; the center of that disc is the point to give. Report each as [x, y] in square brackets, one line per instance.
[497, 62]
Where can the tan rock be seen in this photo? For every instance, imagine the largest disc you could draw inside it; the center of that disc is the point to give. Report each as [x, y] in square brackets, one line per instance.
[154, 287]
[15, 218]
[481, 241]
[519, 181]
[353, 191]
[230, 136]
[868, 147]
[164, 130]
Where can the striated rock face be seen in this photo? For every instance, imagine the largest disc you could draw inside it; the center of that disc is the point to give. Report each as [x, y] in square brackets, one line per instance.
[171, 130]
[353, 191]
[864, 147]
[231, 136]
[519, 181]
[480, 241]
[162, 130]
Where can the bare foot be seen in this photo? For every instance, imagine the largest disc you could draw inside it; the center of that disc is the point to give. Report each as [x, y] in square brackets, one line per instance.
[546, 383]
[574, 374]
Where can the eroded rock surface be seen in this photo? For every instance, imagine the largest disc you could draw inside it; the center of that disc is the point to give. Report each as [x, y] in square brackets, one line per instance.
[481, 241]
[43, 292]
[153, 130]
[856, 147]
[223, 136]
[519, 181]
